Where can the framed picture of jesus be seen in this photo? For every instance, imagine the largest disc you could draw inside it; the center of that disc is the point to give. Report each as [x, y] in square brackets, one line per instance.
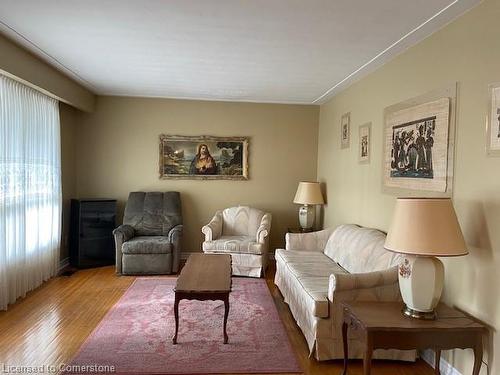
[203, 157]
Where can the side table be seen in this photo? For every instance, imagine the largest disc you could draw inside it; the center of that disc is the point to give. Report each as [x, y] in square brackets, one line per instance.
[299, 230]
[383, 326]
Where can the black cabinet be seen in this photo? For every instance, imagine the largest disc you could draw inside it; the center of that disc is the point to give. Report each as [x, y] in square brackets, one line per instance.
[91, 233]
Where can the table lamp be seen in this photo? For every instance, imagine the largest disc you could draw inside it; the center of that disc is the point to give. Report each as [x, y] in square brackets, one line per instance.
[308, 194]
[423, 229]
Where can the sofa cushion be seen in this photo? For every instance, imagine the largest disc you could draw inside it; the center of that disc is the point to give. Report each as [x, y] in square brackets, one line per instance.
[301, 256]
[359, 249]
[147, 245]
[234, 244]
[311, 270]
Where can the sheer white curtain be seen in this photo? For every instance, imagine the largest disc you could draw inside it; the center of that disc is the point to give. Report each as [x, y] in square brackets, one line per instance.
[30, 189]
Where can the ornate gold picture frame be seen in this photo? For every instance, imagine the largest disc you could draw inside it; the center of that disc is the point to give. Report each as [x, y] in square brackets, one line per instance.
[203, 157]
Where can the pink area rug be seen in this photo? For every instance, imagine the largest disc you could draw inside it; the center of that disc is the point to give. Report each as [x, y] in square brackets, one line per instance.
[136, 335]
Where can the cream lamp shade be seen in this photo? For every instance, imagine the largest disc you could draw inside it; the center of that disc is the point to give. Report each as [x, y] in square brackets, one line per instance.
[308, 193]
[425, 226]
[423, 229]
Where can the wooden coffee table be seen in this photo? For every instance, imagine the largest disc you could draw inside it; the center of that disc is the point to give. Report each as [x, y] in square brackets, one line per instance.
[204, 277]
[385, 327]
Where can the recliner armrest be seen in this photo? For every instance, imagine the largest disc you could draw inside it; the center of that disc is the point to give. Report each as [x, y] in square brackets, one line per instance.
[175, 238]
[125, 231]
[122, 234]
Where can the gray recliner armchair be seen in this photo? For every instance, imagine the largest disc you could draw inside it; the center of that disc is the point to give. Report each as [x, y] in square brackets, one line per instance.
[149, 241]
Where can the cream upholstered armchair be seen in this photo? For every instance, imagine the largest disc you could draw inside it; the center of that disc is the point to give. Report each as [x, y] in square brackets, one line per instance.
[242, 232]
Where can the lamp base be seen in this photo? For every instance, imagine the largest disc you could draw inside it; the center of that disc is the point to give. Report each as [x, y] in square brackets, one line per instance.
[306, 217]
[421, 283]
[427, 315]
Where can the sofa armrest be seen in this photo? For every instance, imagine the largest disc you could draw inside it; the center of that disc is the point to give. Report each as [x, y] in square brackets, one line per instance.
[264, 228]
[122, 234]
[175, 238]
[313, 241]
[372, 286]
[213, 229]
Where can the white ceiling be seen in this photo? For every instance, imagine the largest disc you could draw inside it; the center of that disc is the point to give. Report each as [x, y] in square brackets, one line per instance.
[280, 51]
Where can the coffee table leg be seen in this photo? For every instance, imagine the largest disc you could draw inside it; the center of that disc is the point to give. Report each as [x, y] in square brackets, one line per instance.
[437, 361]
[346, 349]
[226, 313]
[176, 315]
[478, 355]
[367, 360]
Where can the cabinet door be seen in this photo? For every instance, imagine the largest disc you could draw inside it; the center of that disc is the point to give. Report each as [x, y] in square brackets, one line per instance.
[97, 220]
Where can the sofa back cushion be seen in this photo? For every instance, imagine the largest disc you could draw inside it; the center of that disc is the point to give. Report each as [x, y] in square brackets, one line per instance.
[358, 249]
[153, 213]
[241, 221]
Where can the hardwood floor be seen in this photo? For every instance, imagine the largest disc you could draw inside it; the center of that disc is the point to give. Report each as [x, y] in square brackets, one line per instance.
[49, 325]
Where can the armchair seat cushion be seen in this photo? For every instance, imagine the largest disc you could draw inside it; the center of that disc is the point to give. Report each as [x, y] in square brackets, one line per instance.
[147, 245]
[234, 244]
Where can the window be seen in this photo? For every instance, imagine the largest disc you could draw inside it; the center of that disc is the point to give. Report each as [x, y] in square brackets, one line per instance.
[30, 189]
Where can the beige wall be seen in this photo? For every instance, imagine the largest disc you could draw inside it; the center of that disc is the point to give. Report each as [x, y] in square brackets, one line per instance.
[465, 51]
[68, 118]
[117, 152]
[16, 61]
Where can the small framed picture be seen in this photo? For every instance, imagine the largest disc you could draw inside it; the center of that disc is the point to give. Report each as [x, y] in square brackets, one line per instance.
[345, 130]
[365, 143]
[493, 121]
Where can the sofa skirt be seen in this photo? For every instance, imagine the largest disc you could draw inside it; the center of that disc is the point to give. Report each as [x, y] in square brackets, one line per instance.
[250, 265]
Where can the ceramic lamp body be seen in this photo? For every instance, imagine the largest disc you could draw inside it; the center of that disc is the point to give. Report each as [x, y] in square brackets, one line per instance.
[421, 281]
[306, 216]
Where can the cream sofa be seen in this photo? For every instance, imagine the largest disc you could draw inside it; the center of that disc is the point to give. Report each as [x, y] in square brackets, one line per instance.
[319, 270]
[242, 232]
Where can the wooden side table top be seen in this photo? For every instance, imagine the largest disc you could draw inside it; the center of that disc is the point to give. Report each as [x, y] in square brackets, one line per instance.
[384, 326]
[205, 273]
[388, 316]
[299, 230]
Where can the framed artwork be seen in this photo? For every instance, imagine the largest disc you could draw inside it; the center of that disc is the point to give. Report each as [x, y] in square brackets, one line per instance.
[365, 143]
[345, 130]
[203, 157]
[418, 145]
[493, 121]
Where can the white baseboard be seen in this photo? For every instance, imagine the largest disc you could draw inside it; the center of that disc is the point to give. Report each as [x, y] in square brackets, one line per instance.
[444, 366]
[63, 263]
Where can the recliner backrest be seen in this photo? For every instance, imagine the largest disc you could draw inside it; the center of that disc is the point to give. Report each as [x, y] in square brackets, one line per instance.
[153, 213]
[241, 221]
